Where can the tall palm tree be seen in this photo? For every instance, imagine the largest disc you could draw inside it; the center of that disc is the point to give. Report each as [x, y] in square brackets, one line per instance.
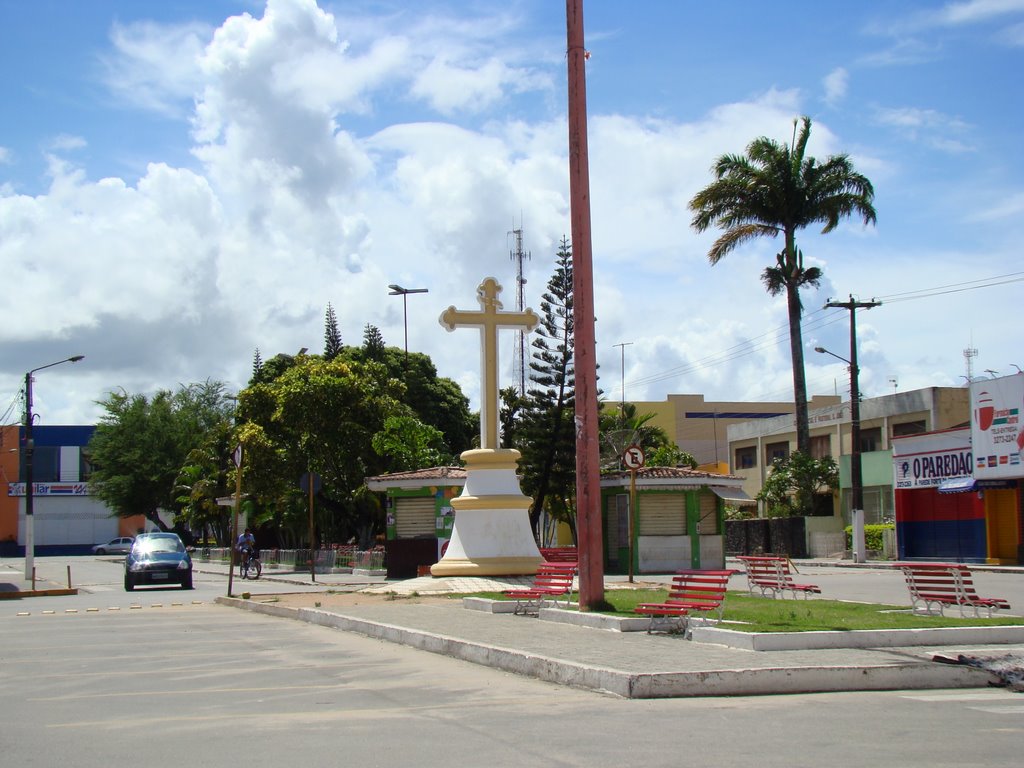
[774, 189]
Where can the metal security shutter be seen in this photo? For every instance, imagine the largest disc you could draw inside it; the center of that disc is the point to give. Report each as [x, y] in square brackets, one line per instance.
[415, 517]
[707, 523]
[662, 514]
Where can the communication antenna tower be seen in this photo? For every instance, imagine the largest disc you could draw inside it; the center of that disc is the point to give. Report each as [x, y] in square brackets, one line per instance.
[969, 354]
[517, 255]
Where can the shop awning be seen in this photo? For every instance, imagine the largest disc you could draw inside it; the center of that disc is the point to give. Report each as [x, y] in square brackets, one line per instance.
[956, 485]
[734, 496]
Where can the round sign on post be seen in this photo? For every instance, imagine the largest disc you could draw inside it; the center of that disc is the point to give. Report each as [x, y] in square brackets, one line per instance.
[633, 457]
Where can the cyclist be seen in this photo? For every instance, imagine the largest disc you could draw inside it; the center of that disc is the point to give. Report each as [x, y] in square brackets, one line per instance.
[246, 546]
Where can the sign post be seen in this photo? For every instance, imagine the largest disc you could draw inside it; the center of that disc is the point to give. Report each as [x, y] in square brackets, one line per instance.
[633, 458]
[311, 483]
[237, 458]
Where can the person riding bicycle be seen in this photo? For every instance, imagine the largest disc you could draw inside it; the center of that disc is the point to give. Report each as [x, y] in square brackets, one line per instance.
[246, 545]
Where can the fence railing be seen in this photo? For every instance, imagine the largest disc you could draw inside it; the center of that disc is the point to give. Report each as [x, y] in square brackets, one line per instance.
[336, 559]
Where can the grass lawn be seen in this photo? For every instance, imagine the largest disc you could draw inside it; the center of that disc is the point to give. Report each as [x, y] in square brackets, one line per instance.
[760, 614]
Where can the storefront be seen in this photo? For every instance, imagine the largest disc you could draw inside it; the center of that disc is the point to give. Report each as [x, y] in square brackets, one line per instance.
[679, 521]
[944, 510]
[419, 515]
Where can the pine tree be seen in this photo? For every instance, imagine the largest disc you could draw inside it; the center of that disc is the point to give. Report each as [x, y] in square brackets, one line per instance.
[257, 363]
[547, 438]
[332, 336]
[373, 343]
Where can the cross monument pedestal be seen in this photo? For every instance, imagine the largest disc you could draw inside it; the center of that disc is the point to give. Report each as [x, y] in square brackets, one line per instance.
[492, 534]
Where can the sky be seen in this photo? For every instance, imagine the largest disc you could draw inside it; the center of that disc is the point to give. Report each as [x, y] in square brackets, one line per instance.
[187, 181]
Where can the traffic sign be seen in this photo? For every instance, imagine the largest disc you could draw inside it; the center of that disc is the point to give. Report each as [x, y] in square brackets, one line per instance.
[633, 457]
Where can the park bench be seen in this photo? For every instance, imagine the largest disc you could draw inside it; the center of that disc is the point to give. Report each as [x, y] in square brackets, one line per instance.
[692, 591]
[770, 574]
[942, 584]
[552, 582]
[560, 554]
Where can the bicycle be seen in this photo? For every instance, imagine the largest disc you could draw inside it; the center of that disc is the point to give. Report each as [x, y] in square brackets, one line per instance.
[251, 567]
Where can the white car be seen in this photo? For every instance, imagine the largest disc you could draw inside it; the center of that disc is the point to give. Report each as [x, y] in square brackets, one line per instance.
[120, 546]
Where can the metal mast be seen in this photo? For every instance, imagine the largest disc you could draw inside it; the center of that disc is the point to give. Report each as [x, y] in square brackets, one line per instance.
[517, 255]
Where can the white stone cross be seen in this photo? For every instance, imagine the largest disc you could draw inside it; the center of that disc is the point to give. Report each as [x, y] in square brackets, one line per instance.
[488, 319]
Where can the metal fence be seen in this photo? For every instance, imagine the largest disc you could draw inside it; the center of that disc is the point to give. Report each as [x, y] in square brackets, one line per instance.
[334, 560]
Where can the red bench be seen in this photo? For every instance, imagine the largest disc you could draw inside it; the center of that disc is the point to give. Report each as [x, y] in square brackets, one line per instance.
[560, 554]
[942, 584]
[770, 574]
[692, 591]
[552, 581]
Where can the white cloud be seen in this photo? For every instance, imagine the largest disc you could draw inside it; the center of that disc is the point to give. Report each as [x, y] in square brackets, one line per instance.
[930, 126]
[155, 66]
[836, 82]
[975, 11]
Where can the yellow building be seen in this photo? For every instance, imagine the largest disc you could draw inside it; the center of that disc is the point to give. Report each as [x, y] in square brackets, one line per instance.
[700, 428]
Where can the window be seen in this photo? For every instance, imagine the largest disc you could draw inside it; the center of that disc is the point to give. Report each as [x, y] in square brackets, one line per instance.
[746, 458]
[775, 451]
[908, 428]
[871, 440]
[45, 464]
[821, 446]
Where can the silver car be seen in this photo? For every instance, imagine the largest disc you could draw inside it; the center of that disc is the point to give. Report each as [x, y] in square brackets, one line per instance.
[119, 546]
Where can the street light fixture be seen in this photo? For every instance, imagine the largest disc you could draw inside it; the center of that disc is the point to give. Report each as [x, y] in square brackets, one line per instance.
[30, 535]
[397, 290]
[856, 477]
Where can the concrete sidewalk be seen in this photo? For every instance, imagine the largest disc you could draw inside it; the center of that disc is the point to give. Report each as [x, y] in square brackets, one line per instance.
[635, 664]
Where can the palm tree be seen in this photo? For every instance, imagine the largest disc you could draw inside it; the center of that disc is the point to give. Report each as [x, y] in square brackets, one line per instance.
[774, 189]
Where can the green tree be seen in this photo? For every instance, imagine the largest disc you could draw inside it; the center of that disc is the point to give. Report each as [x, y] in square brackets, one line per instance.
[409, 444]
[332, 336]
[622, 427]
[546, 434]
[775, 189]
[317, 416]
[141, 445]
[670, 455]
[373, 343]
[794, 481]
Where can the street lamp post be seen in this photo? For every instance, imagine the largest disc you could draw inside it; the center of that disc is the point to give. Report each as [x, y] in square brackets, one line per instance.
[856, 478]
[30, 534]
[397, 290]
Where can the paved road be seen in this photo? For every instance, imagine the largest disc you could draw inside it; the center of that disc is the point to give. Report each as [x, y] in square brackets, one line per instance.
[207, 685]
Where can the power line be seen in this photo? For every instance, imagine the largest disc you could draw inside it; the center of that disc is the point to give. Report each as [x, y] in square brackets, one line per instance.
[813, 321]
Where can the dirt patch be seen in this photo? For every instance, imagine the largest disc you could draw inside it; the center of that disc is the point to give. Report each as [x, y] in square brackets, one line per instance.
[330, 600]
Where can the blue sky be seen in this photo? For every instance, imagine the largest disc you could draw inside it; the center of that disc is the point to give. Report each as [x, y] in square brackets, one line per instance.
[184, 182]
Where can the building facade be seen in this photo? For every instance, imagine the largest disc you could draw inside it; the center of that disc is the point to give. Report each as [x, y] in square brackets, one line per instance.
[68, 518]
[754, 445]
[701, 428]
[678, 522]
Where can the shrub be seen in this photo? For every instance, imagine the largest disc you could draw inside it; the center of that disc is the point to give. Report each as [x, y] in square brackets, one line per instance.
[872, 535]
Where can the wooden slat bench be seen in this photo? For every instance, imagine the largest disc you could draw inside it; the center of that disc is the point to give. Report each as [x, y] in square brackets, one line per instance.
[942, 584]
[770, 574]
[692, 591]
[560, 554]
[552, 582]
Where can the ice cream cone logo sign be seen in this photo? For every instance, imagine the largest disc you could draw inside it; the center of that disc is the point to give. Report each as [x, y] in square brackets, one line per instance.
[985, 413]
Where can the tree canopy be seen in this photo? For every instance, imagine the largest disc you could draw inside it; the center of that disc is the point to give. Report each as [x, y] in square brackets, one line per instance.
[776, 189]
[142, 443]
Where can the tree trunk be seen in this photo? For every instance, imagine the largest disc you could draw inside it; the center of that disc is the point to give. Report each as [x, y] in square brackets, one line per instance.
[796, 348]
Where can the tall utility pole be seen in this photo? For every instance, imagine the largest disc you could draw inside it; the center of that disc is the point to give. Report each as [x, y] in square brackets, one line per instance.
[588, 471]
[856, 477]
[622, 397]
[517, 255]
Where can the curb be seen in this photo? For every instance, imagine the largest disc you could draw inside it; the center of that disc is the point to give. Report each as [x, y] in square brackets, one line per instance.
[912, 674]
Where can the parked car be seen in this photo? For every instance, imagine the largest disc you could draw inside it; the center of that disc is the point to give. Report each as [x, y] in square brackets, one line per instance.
[118, 546]
[157, 558]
